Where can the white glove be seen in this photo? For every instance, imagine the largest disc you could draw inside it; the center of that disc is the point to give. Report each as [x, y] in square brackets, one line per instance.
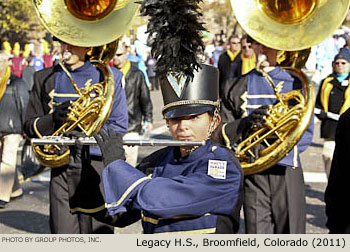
[146, 128]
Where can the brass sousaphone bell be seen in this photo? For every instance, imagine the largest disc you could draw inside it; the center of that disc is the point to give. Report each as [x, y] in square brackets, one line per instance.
[93, 23]
[291, 26]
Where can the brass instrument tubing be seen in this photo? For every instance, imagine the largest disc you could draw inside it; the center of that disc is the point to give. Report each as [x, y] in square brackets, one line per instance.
[75, 86]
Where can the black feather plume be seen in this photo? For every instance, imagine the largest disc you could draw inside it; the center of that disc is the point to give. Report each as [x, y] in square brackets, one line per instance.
[176, 35]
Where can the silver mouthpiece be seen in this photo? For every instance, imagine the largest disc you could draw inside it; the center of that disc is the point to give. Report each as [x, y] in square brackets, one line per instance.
[261, 58]
[67, 55]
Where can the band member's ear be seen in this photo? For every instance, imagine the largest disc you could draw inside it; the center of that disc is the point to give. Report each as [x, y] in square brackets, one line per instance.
[217, 120]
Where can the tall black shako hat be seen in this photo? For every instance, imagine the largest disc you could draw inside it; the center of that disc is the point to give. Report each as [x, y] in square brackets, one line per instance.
[175, 33]
[191, 96]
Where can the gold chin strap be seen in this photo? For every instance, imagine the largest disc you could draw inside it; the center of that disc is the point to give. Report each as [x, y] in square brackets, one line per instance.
[211, 129]
[212, 124]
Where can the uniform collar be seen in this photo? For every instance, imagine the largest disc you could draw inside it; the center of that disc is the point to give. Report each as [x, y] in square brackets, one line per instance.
[193, 156]
[86, 65]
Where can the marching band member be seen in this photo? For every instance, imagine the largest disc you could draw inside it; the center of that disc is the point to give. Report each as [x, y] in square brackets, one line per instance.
[47, 110]
[274, 200]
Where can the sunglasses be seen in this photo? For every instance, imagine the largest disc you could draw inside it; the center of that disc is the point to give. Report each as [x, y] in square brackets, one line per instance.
[338, 63]
[247, 47]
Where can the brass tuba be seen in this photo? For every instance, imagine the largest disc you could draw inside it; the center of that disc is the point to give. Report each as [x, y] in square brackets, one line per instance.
[291, 26]
[97, 24]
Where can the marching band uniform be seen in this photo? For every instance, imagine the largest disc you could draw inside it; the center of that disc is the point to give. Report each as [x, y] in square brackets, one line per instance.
[181, 196]
[274, 200]
[51, 88]
[198, 193]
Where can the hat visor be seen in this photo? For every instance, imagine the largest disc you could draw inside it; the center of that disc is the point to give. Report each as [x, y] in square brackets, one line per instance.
[187, 110]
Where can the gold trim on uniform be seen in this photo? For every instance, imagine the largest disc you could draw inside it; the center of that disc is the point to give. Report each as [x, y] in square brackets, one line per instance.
[71, 95]
[36, 128]
[156, 221]
[198, 231]
[261, 96]
[226, 139]
[127, 192]
[84, 210]
[188, 102]
[254, 106]
[279, 86]
[244, 98]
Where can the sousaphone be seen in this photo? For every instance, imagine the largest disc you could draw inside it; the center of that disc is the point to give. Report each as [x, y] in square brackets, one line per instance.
[291, 26]
[86, 23]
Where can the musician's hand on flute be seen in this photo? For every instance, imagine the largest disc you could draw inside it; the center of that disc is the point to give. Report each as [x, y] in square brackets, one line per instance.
[111, 145]
[79, 153]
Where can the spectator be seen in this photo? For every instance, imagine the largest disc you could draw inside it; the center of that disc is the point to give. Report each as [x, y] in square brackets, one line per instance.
[226, 59]
[38, 63]
[218, 50]
[346, 49]
[246, 62]
[331, 102]
[134, 57]
[138, 100]
[28, 73]
[12, 109]
[17, 62]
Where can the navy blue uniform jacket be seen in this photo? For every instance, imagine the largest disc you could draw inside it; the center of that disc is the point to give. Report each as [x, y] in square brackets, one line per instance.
[251, 91]
[52, 87]
[200, 193]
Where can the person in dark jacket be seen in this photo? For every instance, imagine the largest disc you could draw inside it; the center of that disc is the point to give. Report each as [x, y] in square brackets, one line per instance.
[28, 73]
[226, 59]
[140, 109]
[47, 110]
[332, 100]
[337, 209]
[245, 61]
[12, 110]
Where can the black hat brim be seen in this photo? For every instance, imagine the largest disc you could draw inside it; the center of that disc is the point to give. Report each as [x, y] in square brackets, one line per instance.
[187, 110]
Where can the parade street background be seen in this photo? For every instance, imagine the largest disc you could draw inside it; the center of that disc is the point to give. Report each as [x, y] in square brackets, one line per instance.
[30, 213]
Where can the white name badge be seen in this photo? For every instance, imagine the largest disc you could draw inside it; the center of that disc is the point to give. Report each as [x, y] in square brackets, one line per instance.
[217, 169]
[345, 83]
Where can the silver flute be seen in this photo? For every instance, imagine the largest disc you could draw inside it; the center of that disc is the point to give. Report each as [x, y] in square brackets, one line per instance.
[58, 140]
